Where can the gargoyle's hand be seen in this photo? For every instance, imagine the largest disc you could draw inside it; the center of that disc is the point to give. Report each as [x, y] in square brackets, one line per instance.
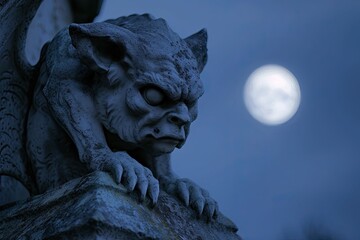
[131, 174]
[191, 195]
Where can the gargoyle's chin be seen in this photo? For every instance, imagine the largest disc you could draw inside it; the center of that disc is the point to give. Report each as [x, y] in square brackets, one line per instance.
[163, 147]
[159, 149]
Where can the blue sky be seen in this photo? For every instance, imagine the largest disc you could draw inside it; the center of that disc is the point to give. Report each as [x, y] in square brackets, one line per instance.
[274, 180]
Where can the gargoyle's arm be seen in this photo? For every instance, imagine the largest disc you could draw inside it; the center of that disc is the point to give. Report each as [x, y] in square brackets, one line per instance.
[74, 109]
[67, 88]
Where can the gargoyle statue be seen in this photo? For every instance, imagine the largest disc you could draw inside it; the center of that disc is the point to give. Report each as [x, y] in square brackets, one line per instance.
[117, 96]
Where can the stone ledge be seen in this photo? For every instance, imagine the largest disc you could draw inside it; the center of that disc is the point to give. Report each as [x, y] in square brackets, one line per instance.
[94, 207]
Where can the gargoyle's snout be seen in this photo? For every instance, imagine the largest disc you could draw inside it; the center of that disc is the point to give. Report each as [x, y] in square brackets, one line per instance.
[180, 116]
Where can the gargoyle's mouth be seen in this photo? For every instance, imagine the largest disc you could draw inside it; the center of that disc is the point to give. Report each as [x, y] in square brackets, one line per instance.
[168, 139]
[171, 140]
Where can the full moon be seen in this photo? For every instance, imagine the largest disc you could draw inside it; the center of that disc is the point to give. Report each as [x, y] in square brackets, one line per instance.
[272, 94]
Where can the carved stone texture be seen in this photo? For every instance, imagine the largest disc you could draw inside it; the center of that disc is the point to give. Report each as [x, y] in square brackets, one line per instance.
[94, 207]
[50, 17]
[117, 96]
[15, 92]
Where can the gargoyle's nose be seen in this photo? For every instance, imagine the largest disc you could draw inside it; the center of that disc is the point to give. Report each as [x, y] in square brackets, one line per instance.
[180, 116]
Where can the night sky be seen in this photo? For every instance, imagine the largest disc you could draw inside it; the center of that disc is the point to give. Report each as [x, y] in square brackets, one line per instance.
[274, 181]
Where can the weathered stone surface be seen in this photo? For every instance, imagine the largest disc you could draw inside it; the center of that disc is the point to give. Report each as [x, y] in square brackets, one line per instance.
[117, 96]
[51, 16]
[94, 207]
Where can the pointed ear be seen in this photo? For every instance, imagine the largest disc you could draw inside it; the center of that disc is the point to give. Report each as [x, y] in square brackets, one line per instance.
[97, 45]
[197, 43]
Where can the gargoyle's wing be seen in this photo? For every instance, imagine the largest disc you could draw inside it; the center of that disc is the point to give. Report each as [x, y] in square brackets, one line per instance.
[16, 78]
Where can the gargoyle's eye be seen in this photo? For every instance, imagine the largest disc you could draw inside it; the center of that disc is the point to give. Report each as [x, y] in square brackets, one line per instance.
[153, 96]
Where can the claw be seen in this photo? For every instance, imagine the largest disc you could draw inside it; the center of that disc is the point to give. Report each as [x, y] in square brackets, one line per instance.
[153, 191]
[197, 199]
[209, 211]
[130, 180]
[117, 173]
[199, 206]
[183, 193]
[143, 187]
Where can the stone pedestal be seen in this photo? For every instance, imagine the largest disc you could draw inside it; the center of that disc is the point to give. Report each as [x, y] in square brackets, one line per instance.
[94, 207]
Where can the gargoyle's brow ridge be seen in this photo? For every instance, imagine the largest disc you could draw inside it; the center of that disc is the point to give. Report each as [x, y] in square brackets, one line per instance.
[173, 86]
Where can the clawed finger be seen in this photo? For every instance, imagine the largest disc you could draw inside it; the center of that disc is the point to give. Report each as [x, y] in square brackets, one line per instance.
[153, 190]
[197, 200]
[183, 193]
[117, 172]
[209, 209]
[142, 185]
[198, 206]
[129, 179]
